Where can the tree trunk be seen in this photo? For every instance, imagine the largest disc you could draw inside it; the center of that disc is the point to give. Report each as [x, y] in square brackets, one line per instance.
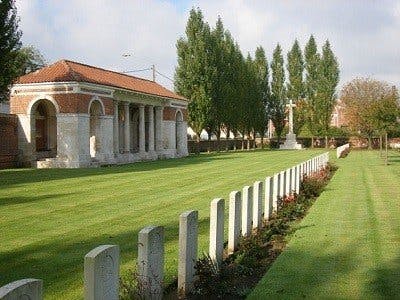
[386, 149]
[218, 139]
[262, 141]
[228, 135]
[242, 142]
[312, 142]
[326, 142]
[369, 142]
[198, 143]
[380, 145]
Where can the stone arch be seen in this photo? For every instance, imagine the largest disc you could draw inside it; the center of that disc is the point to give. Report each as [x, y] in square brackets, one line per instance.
[96, 99]
[96, 111]
[43, 114]
[179, 138]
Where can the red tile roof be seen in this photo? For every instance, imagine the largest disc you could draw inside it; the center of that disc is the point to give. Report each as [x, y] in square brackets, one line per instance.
[66, 71]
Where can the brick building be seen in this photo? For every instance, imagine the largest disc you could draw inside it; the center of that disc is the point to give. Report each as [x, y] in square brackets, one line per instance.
[75, 115]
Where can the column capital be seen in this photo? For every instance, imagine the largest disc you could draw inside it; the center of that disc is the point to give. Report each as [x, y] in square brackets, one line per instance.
[159, 108]
[126, 104]
[140, 105]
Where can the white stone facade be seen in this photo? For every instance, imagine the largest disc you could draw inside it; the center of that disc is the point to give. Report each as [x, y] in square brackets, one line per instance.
[73, 125]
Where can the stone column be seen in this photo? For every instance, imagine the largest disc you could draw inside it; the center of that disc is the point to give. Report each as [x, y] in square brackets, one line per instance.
[159, 129]
[116, 128]
[188, 229]
[127, 129]
[142, 134]
[150, 109]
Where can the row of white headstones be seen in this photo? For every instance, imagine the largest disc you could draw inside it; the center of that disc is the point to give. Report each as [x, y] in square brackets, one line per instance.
[341, 149]
[246, 212]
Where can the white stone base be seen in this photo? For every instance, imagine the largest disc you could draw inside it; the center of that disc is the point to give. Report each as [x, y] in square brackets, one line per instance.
[290, 143]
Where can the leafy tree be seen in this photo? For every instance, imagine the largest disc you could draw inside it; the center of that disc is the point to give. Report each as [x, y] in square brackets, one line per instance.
[312, 80]
[29, 59]
[328, 81]
[370, 106]
[9, 45]
[278, 92]
[263, 92]
[295, 85]
[193, 73]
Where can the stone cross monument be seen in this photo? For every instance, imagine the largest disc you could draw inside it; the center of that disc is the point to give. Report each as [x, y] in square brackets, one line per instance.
[290, 142]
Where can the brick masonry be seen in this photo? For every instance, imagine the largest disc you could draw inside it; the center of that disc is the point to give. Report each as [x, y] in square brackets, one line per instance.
[8, 141]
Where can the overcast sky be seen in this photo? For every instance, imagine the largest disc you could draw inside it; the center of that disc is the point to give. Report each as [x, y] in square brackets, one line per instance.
[365, 35]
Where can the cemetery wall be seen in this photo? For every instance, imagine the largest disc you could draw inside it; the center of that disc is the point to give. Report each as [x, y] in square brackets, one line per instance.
[8, 141]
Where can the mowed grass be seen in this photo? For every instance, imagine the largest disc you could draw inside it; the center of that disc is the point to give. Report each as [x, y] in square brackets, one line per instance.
[348, 246]
[50, 219]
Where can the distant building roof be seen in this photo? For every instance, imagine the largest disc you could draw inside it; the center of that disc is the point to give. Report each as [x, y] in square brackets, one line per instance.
[70, 71]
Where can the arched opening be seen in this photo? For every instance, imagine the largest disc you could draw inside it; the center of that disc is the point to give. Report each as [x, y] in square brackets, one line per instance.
[178, 132]
[44, 128]
[95, 111]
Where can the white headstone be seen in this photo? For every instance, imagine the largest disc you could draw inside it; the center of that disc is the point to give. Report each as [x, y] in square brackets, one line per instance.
[217, 230]
[247, 210]
[151, 261]
[287, 181]
[101, 268]
[293, 180]
[276, 192]
[235, 220]
[268, 198]
[188, 230]
[29, 289]
[257, 204]
[282, 183]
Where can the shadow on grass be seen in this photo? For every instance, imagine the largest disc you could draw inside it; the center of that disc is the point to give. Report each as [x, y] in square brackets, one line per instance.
[12, 177]
[304, 273]
[13, 200]
[384, 282]
[59, 262]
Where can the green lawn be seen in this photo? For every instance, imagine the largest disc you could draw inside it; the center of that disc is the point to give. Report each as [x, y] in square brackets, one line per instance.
[348, 246]
[50, 219]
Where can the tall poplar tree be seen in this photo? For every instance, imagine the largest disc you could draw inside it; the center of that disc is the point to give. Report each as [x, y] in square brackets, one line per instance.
[295, 85]
[263, 92]
[328, 81]
[193, 73]
[9, 45]
[312, 79]
[278, 93]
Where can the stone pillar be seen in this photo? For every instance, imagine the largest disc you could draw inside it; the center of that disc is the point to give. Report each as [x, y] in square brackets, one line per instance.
[151, 261]
[235, 219]
[116, 128]
[150, 109]
[188, 230]
[268, 192]
[247, 210]
[142, 134]
[257, 204]
[101, 268]
[127, 129]
[276, 191]
[217, 230]
[31, 289]
[159, 129]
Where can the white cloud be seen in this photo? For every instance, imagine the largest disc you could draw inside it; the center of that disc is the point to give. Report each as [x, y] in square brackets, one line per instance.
[364, 34]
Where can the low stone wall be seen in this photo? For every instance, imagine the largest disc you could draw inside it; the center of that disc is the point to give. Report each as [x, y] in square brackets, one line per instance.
[8, 141]
[247, 209]
[213, 145]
